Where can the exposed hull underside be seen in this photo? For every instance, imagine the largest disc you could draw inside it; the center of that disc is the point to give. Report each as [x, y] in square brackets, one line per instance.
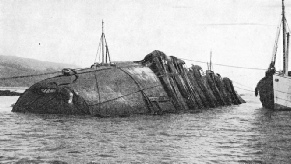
[157, 84]
[103, 92]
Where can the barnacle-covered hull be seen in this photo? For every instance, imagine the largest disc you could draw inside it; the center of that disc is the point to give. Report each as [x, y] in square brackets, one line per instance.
[158, 84]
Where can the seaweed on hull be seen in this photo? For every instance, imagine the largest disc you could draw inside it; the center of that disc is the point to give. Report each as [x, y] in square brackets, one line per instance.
[155, 85]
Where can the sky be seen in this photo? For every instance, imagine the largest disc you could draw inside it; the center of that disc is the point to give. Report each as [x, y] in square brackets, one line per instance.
[238, 32]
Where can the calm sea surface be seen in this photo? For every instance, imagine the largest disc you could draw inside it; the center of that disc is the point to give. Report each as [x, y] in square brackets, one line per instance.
[245, 133]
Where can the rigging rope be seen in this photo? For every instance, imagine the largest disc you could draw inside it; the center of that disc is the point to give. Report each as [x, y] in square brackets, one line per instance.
[261, 69]
[287, 25]
[273, 60]
[244, 89]
[98, 52]
[48, 73]
[24, 76]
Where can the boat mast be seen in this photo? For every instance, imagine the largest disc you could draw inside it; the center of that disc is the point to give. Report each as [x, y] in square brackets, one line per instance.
[285, 55]
[102, 42]
[104, 47]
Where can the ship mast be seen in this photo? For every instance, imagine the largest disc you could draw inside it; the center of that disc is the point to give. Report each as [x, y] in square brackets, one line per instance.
[104, 47]
[102, 42]
[285, 55]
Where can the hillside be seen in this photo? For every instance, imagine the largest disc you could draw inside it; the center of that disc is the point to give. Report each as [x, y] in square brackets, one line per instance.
[11, 66]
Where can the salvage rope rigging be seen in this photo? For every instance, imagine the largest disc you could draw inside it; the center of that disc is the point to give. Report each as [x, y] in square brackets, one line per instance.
[49, 73]
[25, 76]
[273, 60]
[224, 65]
[244, 89]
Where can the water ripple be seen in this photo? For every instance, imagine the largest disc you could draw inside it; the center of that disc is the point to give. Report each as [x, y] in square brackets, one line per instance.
[238, 134]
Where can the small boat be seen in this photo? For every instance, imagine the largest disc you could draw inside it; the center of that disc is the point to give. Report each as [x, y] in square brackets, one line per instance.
[275, 88]
[155, 85]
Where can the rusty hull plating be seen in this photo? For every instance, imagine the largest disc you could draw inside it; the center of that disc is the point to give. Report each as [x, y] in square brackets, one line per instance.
[158, 84]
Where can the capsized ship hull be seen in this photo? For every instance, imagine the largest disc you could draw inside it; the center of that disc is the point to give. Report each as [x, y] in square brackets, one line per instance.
[104, 91]
[158, 84]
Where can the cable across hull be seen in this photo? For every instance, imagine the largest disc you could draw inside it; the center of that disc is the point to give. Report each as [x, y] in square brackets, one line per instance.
[158, 84]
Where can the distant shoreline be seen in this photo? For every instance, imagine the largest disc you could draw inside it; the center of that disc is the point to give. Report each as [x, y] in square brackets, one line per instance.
[13, 88]
[12, 91]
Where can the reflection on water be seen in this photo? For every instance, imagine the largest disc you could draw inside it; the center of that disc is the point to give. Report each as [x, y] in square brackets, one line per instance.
[236, 134]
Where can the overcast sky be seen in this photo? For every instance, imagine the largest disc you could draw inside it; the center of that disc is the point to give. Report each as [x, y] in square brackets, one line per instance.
[239, 32]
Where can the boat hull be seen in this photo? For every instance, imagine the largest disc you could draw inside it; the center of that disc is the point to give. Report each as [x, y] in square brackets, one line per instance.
[104, 91]
[158, 84]
[282, 92]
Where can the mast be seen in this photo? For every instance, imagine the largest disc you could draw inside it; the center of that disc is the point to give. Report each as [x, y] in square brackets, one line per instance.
[285, 55]
[102, 42]
[104, 47]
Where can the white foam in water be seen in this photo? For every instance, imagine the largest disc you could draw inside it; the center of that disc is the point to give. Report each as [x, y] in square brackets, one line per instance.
[6, 102]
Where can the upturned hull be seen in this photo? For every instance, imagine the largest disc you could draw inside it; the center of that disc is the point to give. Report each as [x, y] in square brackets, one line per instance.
[104, 91]
[158, 84]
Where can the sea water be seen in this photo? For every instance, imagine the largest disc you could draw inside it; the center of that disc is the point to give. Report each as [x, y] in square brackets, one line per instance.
[245, 133]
